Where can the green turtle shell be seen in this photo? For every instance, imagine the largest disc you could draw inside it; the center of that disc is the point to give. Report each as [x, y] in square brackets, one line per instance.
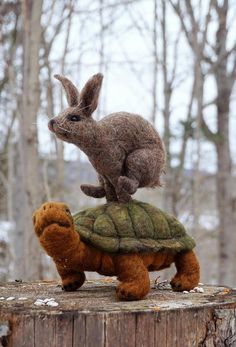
[130, 228]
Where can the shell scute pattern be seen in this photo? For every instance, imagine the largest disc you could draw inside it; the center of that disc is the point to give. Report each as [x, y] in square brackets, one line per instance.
[142, 225]
[104, 226]
[132, 227]
[159, 221]
[120, 216]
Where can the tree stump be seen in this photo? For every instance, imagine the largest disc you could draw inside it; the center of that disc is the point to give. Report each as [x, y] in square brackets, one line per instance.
[92, 317]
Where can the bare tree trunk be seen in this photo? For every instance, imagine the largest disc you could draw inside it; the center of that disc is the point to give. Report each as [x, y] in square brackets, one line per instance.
[101, 64]
[155, 65]
[172, 181]
[225, 80]
[60, 144]
[224, 166]
[29, 260]
[10, 174]
[197, 137]
[225, 207]
[168, 192]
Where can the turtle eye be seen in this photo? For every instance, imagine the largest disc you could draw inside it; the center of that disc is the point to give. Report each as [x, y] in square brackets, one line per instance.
[73, 118]
[68, 211]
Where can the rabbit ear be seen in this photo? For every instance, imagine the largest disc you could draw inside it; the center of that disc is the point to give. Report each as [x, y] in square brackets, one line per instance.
[72, 93]
[88, 99]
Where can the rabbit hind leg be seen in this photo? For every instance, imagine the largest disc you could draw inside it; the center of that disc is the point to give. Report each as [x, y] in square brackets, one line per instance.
[138, 173]
[125, 188]
[134, 170]
[145, 167]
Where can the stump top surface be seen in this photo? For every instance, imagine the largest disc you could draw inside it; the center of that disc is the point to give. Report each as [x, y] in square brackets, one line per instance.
[99, 296]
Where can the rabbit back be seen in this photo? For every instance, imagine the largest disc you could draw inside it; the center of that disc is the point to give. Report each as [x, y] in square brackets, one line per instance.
[131, 131]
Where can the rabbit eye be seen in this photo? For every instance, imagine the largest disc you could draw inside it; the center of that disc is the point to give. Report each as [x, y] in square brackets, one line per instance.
[73, 118]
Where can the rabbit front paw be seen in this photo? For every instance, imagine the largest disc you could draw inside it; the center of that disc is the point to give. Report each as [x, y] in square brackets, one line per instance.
[95, 192]
[125, 187]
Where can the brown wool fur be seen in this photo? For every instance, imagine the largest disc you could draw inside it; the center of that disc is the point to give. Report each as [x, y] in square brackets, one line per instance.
[54, 227]
[125, 149]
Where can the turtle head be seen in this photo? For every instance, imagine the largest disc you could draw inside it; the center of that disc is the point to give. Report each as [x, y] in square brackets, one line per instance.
[54, 214]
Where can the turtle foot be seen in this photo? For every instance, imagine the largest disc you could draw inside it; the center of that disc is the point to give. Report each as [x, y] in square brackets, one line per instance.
[129, 292]
[188, 272]
[133, 275]
[182, 282]
[72, 283]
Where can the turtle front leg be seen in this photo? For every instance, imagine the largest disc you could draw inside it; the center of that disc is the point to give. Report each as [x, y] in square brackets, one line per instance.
[188, 271]
[134, 277]
[55, 229]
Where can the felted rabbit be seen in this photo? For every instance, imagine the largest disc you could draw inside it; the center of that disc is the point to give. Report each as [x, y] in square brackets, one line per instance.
[125, 149]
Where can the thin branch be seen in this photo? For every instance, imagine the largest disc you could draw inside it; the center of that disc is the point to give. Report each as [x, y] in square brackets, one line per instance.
[177, 9]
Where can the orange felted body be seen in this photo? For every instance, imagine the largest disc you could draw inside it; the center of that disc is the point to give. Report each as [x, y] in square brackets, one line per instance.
[55, 229]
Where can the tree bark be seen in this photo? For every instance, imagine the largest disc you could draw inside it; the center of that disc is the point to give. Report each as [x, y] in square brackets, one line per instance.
[224, 80]
[227, 237]
[28, 262]
[155, 65]
[167, 91]
[95, 318]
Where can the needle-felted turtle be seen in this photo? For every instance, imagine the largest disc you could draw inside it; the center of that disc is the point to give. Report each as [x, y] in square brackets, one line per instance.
[124, 240]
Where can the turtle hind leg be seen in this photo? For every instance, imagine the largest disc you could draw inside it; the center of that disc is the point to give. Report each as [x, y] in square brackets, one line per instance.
[188, 271]
[134, 277]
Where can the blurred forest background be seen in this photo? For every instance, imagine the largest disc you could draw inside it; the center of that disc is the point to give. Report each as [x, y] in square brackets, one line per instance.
[172, 61]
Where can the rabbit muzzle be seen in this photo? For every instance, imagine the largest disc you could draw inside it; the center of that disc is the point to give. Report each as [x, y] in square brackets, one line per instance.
[58, 130]
[51, 123]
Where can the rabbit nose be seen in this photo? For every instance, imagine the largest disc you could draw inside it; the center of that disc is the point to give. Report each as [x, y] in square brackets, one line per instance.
[51, 123]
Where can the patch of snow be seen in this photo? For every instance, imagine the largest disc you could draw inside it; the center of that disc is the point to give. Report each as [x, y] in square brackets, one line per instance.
[47, 300]
[52, 303]
[39, 303]
[5, 228]
[198, 290]
[10, 298]
[194, 290]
